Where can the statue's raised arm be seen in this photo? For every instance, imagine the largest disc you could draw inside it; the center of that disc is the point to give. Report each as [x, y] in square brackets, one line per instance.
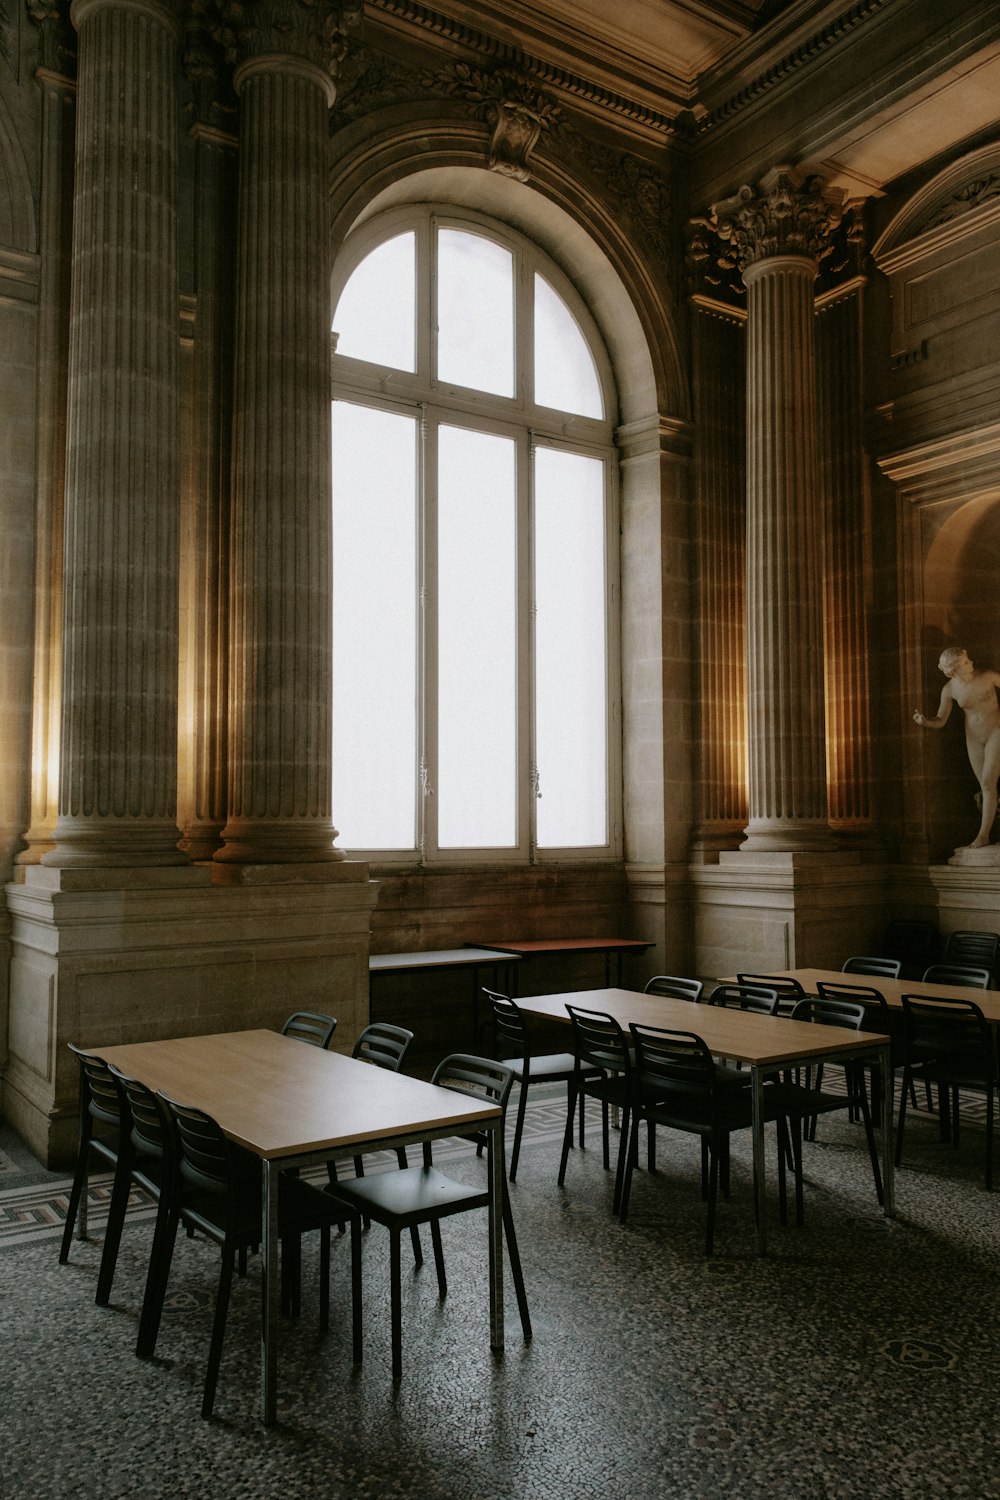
[975, 692]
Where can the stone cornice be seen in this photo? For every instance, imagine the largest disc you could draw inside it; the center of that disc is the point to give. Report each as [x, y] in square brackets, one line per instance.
[586, 93]
[780, 69]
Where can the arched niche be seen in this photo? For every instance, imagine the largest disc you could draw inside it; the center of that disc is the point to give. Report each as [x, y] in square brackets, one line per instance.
[961, 601]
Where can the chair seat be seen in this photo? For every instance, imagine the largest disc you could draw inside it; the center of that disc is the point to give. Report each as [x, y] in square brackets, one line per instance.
[301, 1208]
[413, 1194]
[553, 1065]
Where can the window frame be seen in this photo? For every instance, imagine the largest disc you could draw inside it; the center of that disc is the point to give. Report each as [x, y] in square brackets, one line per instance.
[436, 403]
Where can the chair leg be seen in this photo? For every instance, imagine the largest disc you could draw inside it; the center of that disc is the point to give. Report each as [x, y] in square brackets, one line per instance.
[631, 1160]
[356, 1287]
[396, 1306]
[515, 1265]
[218, 1330]
[161, 1255]
[650, 1146]
[518, 1128]
[572, 1089]
[713, 1184]
[439, 1258]
[620, 1166]
[907, 1089]
[113, 1232]
[79, 1187]
[324, 1278]
[861, 1100]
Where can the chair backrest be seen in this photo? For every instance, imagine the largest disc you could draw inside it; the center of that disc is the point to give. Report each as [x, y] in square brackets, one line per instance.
[383, 1045]
[511, 1037]
[148, 1117]
[673, 988]
[101, 1091]
[310, 1026]
[758, 997]
[787, 988]
[827, 1012]
[883, 968]
[878, 1016]
[974, 978]
[599, 1041]
[676, 1061]
[204, 1156]
[915, 941]
[479, 1077]
[968, 947]
[940, 1026]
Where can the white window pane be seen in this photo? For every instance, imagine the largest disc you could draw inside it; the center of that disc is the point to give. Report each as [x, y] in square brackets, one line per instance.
[570, 651]
[477, 641]
[565, 377]
[374, 627]
[376, 315]
[475, 312]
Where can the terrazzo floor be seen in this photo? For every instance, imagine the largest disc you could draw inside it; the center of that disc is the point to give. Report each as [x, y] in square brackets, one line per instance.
[859, 1359]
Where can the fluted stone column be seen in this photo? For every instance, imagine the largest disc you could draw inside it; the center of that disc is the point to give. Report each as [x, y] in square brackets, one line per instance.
[779, 231]
[56, 74]
[281, 580]
[118, 774]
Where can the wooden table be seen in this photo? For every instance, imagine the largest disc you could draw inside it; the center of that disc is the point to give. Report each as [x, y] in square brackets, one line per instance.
[892, 990]
[293, 1106]
[555, 947]
[767, 1044]
[473, 957]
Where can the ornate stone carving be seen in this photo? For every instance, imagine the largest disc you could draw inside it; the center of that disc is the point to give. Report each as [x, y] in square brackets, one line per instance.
[971, 195]
[515, 111]
[57, 37]
[316, 31]
[712, 268]
[206, 69]
[789, 213]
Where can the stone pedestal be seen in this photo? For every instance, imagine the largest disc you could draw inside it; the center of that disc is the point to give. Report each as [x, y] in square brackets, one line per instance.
[768, 911]
[173, 955]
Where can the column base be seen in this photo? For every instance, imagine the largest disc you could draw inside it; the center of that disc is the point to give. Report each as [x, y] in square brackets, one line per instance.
[98, 959]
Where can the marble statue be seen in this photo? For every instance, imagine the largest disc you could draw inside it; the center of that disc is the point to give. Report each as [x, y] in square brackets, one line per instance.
[975, 693]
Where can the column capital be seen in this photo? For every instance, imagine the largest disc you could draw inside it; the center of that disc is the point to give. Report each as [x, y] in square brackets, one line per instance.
[57, 40]
[308, 36]
[789, 212]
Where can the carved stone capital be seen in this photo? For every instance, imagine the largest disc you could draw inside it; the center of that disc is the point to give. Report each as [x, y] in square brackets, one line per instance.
[789, 213]
[513, 107]
[57, 38]
[313, 34]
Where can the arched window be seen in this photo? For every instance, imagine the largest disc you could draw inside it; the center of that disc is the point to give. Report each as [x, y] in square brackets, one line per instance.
[475, 656]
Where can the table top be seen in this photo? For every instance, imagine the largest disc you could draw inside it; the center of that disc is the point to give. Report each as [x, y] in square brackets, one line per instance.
[437, 958]
[745, 1035]
[280, 1097]
[524, 948]
[893, 989]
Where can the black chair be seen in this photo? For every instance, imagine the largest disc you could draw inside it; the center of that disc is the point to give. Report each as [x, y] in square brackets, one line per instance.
[802, 1102]
[949, 1043]
[384, 1046]
[757, 997]
[310, 1026]
[602, 1070]
[879, 1017]
[424, 1195]
[673, 988]
[972, 977]
[218, 1194]
[149, 1161]
[915, 941]
[678, 1085]
[513, 1035]
[102, 1127]
[878, 968]
[977, 948]
[790, 991]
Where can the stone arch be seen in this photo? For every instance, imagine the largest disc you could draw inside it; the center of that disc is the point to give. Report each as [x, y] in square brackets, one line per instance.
[961, 605]
[415, 161]
[970, 185]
